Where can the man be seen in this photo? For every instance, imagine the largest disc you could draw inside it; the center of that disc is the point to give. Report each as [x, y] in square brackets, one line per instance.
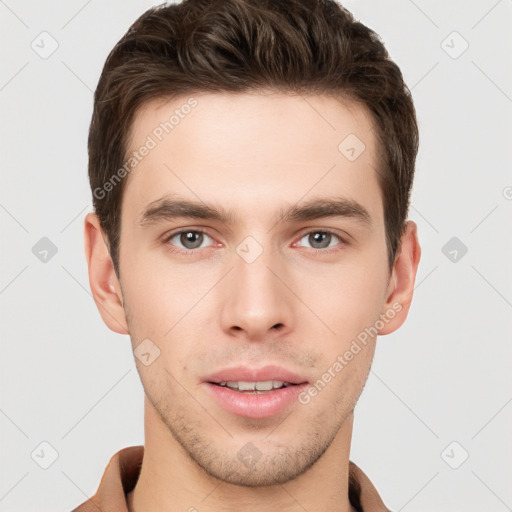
[251, 166]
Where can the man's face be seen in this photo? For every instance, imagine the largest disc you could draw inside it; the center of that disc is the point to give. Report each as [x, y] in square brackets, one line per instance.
[255, 289]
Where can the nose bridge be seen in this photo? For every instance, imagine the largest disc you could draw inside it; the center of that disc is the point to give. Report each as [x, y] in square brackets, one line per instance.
[257, 298]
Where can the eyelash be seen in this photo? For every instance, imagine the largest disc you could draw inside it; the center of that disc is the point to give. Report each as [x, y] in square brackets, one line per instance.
[192, 252]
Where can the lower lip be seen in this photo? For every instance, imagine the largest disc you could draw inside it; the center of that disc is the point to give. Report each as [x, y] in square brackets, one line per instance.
[254, 405]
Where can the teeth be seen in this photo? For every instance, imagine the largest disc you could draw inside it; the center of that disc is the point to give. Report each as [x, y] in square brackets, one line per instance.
[264, 386]
[267, 385]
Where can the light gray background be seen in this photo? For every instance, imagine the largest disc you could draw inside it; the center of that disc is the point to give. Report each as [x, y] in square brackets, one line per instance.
[444, 377]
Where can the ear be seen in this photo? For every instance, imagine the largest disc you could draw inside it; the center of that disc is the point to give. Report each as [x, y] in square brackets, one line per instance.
[401, 283]
[105, 287]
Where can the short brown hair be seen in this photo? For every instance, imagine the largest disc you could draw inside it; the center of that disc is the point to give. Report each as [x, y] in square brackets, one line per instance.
[299, 46]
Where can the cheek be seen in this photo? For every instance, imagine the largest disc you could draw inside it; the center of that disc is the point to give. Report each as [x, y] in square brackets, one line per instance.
[163, 306]
[364, 299]
[158, 292]
[347, 297]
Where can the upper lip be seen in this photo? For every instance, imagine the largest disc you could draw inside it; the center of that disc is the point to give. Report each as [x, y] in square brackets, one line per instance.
[245, 374]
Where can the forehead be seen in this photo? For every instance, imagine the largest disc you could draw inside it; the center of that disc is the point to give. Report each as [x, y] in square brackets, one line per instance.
[241, 148]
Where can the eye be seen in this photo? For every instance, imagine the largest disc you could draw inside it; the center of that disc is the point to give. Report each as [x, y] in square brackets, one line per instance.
[190, 240]
[321, 240]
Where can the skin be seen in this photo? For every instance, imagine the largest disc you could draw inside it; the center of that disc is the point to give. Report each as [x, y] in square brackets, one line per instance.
[210, 309]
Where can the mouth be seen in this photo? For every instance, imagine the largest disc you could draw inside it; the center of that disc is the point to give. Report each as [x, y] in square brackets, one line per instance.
[255, 393]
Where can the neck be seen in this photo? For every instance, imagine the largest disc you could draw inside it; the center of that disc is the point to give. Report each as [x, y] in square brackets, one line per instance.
[171, 481]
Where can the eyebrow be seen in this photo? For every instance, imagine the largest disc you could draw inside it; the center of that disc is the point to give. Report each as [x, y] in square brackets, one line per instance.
[168, 208]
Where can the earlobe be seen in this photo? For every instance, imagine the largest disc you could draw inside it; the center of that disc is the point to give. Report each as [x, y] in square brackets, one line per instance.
[105, 287]
[401, 283]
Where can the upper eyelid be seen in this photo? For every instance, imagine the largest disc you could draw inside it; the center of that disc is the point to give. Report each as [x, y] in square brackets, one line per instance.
[172, 234]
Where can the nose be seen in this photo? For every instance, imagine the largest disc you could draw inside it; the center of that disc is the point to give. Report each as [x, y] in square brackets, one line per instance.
[258, 302]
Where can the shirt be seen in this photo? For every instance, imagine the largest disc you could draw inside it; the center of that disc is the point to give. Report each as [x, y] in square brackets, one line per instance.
[123, 471]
